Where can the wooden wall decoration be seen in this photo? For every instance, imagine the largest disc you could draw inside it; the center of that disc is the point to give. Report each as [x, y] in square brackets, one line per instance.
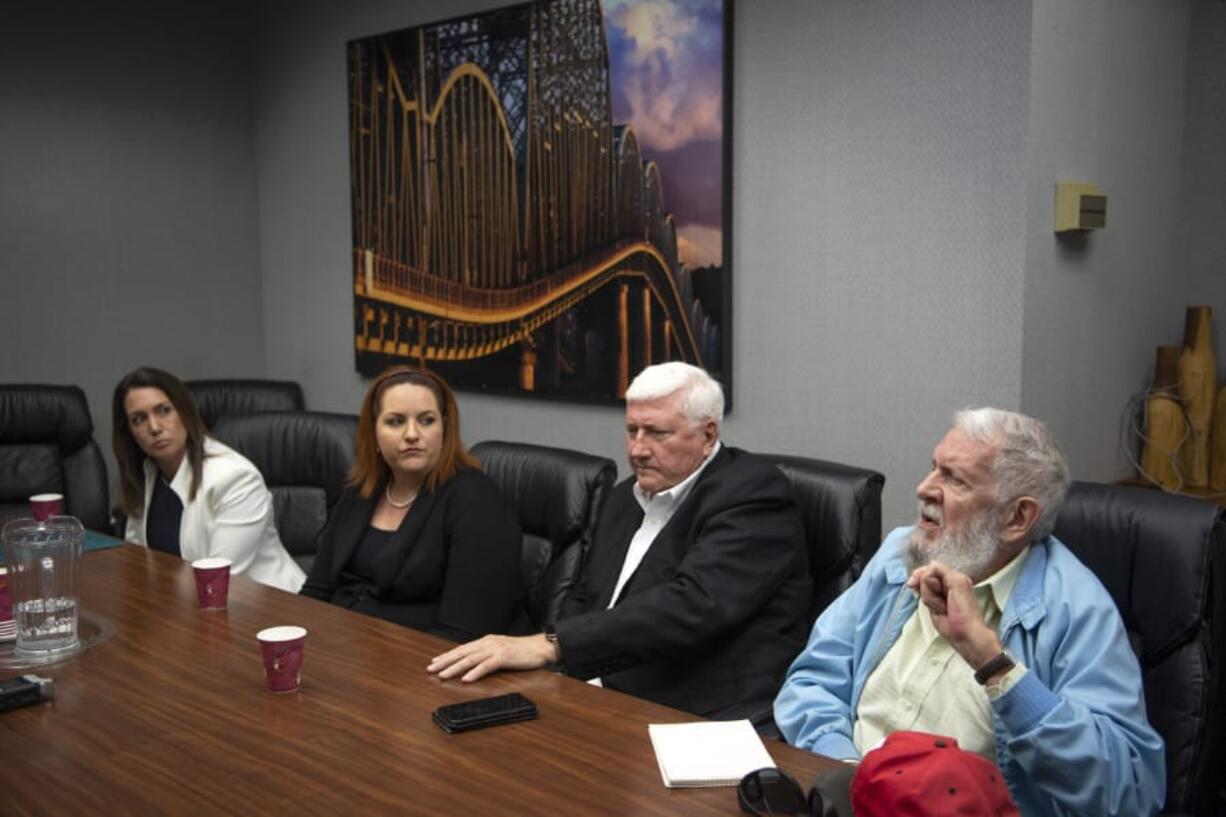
[1217, 454]
[1198, 388]
[1166, 427]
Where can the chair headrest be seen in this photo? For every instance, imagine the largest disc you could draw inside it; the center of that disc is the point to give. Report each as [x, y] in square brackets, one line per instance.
[294, 447]
[554, 489]
[37, 414]
[216, 398]
[1152, 551]
[834, 500]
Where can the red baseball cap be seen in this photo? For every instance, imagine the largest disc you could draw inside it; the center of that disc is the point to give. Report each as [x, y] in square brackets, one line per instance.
[914, 774]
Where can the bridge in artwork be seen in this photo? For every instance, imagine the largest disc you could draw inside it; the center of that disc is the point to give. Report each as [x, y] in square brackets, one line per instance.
[500, 218]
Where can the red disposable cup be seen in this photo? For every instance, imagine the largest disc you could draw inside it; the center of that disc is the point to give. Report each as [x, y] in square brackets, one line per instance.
[44, 506]
[6, 600]
[282, 649]
[212, 582]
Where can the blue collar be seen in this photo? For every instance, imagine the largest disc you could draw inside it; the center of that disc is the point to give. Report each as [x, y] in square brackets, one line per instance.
[1027, 605]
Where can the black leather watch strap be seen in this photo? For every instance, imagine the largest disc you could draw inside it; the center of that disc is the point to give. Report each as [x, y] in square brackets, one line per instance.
[1002, 662]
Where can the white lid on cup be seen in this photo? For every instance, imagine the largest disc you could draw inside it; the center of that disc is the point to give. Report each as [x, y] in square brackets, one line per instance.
[212, 563]
[47, 498]
[283, 633]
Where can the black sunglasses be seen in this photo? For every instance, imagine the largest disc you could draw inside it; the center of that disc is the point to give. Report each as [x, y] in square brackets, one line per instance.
[770, 791]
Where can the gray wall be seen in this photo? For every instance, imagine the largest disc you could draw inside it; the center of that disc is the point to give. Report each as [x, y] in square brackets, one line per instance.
[128, 224]
[1108, 107]
[878, 251]
[174, 189]
[1203, 215]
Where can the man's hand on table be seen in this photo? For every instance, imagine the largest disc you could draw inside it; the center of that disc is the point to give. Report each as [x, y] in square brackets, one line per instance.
[479, 658]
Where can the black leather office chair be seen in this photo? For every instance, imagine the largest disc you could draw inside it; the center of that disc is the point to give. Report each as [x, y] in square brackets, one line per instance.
[305, 458]
[1161, 558]
[215, 398]
[558, 494]
[841, 509]
[47, 446]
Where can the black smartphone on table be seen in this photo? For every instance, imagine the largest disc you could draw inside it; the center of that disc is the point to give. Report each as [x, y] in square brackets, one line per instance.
[500, 709]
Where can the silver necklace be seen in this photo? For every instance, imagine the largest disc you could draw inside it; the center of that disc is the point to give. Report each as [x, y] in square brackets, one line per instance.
[387, 491]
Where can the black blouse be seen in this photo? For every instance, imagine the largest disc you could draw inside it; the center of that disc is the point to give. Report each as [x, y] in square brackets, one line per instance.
[363, 567]
[165, 513]
[452, 568]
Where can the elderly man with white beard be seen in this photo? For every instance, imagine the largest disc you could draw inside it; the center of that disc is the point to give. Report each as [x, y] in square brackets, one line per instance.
[978, 624]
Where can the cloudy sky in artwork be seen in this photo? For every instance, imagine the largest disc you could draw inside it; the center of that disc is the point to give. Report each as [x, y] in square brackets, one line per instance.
[666, 58]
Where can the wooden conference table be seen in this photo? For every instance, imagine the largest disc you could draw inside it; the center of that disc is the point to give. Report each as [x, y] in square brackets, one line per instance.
[169, 715]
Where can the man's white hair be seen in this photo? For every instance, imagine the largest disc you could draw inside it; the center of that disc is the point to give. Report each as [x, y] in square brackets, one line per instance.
[1028, 460]
[702, 396]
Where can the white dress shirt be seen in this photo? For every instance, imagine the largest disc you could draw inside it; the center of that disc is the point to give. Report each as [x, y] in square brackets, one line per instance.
[658, 508]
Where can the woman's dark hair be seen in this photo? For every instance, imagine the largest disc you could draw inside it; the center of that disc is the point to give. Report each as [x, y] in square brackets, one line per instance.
[369, 468]
[128, 453]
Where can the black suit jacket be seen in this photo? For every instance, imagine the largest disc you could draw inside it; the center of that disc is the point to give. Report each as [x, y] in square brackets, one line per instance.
[452, 567]
[715, 612]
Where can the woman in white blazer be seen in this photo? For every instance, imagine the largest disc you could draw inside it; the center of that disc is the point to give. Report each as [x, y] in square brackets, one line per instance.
[184, 492]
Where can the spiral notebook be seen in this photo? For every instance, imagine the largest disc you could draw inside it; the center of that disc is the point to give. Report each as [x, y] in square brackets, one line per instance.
[708, 753]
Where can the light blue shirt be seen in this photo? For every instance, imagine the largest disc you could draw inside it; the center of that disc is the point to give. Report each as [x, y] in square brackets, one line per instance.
[1072, 737]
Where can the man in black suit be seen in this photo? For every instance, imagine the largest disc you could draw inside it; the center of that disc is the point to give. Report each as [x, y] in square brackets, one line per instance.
[696, 585]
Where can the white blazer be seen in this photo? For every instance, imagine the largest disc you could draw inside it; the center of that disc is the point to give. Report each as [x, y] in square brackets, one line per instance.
[231, 517]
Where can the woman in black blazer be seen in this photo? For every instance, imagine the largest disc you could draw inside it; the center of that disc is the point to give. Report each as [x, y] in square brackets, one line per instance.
[421, 537]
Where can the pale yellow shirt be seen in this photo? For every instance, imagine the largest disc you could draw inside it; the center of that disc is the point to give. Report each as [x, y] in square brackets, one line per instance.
[922, 684]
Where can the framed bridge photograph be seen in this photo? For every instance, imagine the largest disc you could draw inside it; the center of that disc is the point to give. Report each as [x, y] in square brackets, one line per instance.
[540, 195]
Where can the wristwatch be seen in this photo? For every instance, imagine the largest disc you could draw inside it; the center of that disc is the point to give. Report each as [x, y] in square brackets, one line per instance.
[551, 635]
[1001, 663]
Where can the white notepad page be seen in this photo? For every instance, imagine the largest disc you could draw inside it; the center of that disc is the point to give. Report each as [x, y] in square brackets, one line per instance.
[709, 753]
